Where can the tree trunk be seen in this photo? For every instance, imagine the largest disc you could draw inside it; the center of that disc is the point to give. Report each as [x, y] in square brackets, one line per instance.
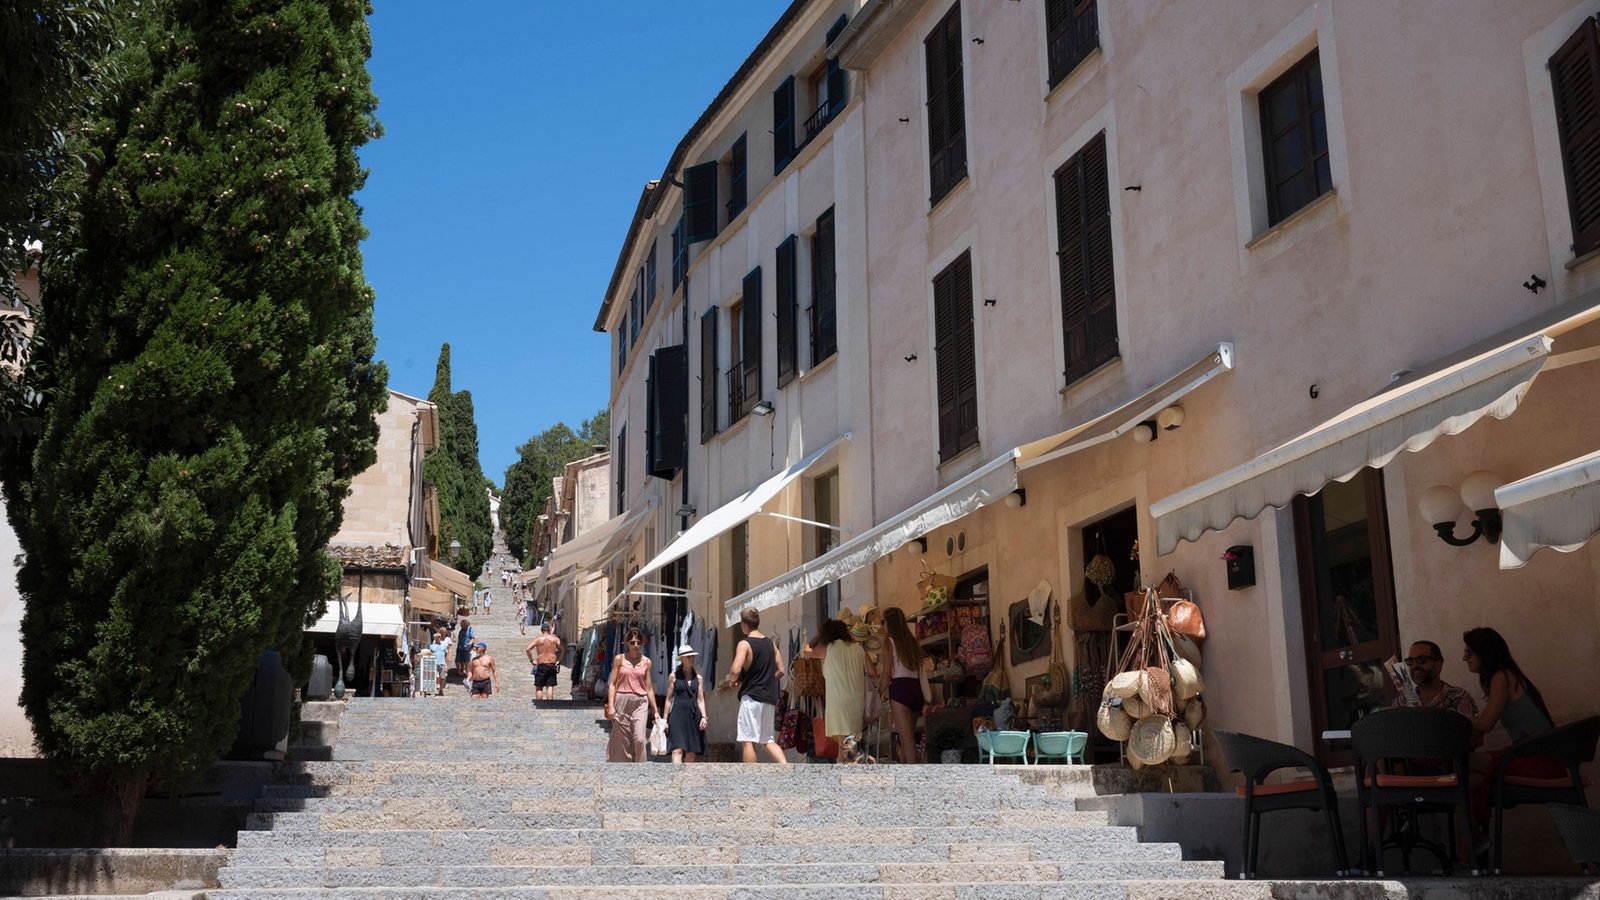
[128, 792]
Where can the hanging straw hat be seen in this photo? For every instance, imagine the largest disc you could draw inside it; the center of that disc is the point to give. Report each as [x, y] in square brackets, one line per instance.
[847, 615]
[1151, 740]
[859, 632]
[869, 614]
[1038, 598]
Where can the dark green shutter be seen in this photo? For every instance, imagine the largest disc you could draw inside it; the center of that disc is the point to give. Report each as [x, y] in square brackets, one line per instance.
[700, 202]
[1088, 285]
[737, 178]
[824, 291]
[955, 358]
[947, 139]
[1072, 30]
[708, 375]
[667, 397]
[751, 322]
[783, 125]
[680, 252]
[788, 313]
[650, 277]
[838, 88]
[1575, 77]
[650, 422]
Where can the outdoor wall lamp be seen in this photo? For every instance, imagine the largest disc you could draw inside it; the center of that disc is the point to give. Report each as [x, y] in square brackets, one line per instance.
[763, 408]
[455, 549]
[1440, 505]
[916, 546]
[685, 510]
[1145, 432]
[1017, 498]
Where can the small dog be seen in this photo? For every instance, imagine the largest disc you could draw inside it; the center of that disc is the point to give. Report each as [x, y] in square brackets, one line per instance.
[851, 751]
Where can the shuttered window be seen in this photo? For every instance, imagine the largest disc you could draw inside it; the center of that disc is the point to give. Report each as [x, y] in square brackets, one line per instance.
[700, 202]
[737, 178]
[650, 277]
[1575, 76]
[838, 81]
[620, 466]
[788, 313]
[824, 339]
[667, 400]
[947, 118]
[622, 345]
[680, 252]
[1088, 291]
[1294, 136]
[955, 354]
[744, 377]
[708, 375]
[1072, 28]
[783, 125]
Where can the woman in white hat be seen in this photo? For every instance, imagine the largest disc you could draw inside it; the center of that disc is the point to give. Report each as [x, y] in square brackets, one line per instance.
[686, 709]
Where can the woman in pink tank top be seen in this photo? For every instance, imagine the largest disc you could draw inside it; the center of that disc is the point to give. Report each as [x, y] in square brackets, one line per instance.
[629, 700]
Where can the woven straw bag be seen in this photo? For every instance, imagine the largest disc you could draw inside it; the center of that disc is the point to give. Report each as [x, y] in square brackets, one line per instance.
[1086, 616]
[1182, 748]
[1186, 680]
[1194, 715]
[1113, 722]
[1157, 691]
[1151, 740]
[1128, 684]
[1135, 707]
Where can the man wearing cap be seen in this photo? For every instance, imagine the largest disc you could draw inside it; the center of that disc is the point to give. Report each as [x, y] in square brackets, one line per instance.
[481, 672]
[757, 671]
[544, 652]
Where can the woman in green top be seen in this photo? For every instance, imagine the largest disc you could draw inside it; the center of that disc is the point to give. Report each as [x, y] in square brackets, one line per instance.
[845, 668]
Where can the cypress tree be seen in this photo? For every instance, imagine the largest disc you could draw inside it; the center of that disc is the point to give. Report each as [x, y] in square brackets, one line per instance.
[457, 474]
[210, 341]
[539, 459]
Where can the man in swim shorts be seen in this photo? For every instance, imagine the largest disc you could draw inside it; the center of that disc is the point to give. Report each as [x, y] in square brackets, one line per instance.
[481, 672]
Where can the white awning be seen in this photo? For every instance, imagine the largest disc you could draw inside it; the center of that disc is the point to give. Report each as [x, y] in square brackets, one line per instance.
[382, 619]
[1446, 398]
[732, 513]
[1122, 420]
[993, 481]
[594, 548]
[445, 578]
[441, 602]
[1558, 508]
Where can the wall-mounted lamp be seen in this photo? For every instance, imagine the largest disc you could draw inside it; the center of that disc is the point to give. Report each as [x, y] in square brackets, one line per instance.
[455, 549]
[763, 408]
[1170, 418]
[1145, 432]
[1440, 505]
[1017, 498]
[685, 510]
[916, 546]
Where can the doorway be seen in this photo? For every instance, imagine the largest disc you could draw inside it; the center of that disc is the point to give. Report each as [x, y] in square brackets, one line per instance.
[1348, 604]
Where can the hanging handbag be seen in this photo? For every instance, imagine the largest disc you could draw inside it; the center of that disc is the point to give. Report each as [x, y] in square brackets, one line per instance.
[1082, 616]
[1101, 571]
[807, 674]
[999, 677]
[658, 738]
[935, 587]
[1183, 617]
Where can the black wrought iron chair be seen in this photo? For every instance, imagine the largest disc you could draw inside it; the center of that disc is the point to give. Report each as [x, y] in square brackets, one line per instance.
[1256, 758]
[1580, 830]
[1572, 744]
[1385, 742]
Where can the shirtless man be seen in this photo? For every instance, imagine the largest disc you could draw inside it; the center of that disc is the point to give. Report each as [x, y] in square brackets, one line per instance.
[547, 648]
[481, 672]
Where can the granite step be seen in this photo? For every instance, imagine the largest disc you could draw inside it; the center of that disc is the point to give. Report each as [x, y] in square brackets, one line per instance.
[710, 835]
[838, 890]
[866, 818]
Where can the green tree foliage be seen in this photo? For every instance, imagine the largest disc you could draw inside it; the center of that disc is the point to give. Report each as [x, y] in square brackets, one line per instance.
[540, 459]
[455, 471]
[210, 340]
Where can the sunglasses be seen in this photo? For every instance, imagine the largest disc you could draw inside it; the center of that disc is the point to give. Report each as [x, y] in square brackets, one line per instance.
[635, 643]
[1421, 660]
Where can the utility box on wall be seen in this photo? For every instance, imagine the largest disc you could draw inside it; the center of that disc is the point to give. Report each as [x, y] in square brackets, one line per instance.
[1241, 567]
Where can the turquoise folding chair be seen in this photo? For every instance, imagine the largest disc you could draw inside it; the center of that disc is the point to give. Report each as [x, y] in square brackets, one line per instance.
[1067, 745]
[1003, 743]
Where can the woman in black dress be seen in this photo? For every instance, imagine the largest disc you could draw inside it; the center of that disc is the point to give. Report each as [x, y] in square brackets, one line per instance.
[686, 710]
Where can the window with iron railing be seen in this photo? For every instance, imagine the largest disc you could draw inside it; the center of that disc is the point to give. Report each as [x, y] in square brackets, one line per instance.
[744, 388]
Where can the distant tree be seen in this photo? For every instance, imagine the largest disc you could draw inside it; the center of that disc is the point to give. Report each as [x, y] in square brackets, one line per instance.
[455, 471]
[209, 342]
[541, 458]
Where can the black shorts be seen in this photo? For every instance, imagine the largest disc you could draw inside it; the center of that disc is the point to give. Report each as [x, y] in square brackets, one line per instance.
[544, 675]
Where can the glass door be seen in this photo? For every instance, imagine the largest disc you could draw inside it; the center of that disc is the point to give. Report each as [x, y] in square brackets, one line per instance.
[1347, 592]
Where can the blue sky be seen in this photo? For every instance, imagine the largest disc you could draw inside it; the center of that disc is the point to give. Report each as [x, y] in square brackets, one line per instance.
[518, 136]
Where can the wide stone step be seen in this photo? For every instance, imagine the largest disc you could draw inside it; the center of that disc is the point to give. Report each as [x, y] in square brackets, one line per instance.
[513, 851]
[471, 800]
[709, 874]
[476, 794]
[709, 835]
[313, 821]
[991, 890]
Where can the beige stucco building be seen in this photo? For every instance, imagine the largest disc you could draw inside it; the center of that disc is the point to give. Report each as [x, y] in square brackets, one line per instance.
[1333, 245]
[579, 504]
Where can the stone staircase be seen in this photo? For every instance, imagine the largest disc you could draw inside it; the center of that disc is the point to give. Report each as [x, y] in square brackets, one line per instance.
[451, 797]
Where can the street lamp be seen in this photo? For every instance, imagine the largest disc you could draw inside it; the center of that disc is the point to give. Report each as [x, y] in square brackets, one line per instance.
[455, 550]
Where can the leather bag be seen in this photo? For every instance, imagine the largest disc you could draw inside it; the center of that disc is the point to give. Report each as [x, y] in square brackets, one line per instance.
[1183, 617]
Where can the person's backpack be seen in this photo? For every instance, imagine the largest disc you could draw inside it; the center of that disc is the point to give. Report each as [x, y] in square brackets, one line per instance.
[974, 651]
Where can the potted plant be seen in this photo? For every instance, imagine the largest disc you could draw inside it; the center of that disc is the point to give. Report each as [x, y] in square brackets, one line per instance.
[946, 738]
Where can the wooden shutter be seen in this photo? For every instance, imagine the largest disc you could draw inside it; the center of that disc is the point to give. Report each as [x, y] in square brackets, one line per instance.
[668, 410]
[788, 313]
[783, 125]
[619, 464]
[955, 356]
[680, 252]
[708, 375]
[1575, 77]
[838, 88]
[737, 178]
[650, 277]
[1072, 29]
[700, 202]
[824, 338]
[947, 142]
[751, 328]
[1088, 289]
[650, 443]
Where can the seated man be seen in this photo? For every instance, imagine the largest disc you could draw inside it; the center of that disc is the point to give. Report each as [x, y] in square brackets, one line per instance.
[1425, 663]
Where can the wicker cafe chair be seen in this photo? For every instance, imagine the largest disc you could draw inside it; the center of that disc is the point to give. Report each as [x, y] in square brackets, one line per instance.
[1580, 829]
[1573, 745]
[1256, 758]
[1066, 745]
[1412, 733]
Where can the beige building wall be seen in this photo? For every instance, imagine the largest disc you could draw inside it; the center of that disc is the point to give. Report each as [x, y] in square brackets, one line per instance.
[16, 735]
[1447, 193]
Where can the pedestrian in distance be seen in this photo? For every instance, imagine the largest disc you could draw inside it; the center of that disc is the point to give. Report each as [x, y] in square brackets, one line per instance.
[686, 709]
[845, 673]
[902, 657]
[544, 653]
[484, 676]
[441, 656]
[756, 673]
[464, 639]
[629, 701]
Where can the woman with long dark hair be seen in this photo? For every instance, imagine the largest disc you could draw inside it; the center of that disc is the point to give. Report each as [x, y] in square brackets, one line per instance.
[902, 655]
[1511, 700]
[845, 670]
[630, 698]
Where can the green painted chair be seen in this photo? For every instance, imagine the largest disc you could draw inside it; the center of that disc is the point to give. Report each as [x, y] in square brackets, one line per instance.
[1003, 743]
[1066, 745]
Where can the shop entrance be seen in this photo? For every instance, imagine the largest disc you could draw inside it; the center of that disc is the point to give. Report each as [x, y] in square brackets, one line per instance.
[1113, 537]
[1347, 595]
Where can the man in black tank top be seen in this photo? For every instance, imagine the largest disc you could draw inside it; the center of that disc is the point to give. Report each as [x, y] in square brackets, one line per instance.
[757, 671]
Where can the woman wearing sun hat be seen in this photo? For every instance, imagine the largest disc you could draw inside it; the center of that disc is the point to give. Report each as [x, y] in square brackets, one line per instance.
[686, 709]
[845, 669]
